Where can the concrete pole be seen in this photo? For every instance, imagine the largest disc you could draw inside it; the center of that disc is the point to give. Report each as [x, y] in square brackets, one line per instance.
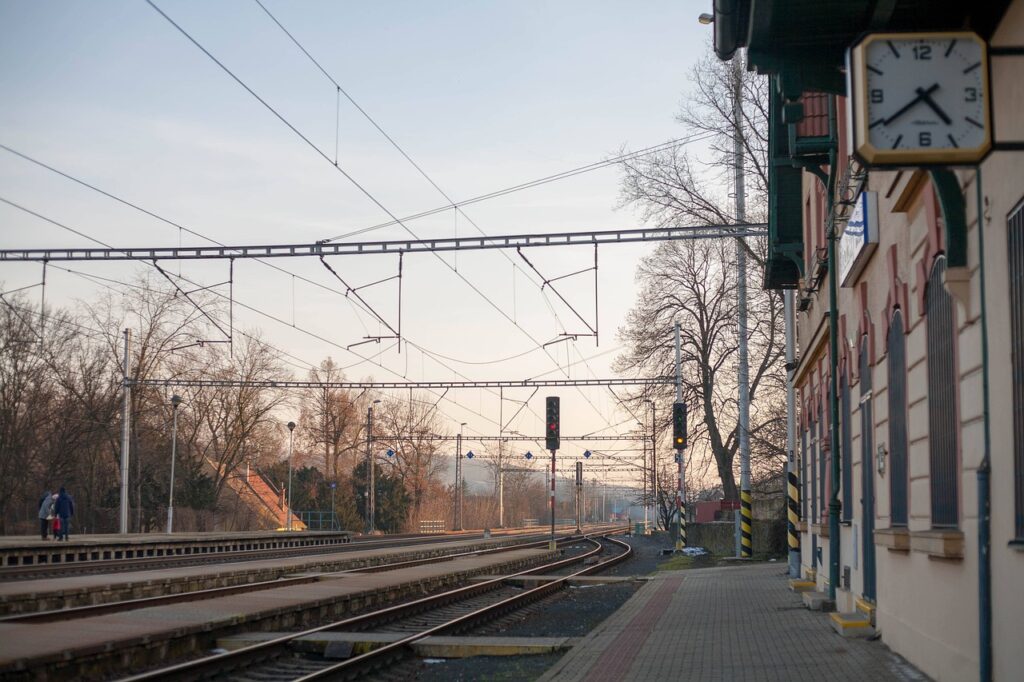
[126, 415]
[654, 464]
[745, 548]
[175, 401]
[291, 436]
[501, 487]
[792, 476]
[458, 481]
[369, 470]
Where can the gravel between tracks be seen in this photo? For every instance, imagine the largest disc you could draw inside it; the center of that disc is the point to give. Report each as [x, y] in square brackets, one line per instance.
[572, 612]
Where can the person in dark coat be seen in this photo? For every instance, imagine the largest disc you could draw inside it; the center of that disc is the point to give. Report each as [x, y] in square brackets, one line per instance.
[65, 509]
[45, 514]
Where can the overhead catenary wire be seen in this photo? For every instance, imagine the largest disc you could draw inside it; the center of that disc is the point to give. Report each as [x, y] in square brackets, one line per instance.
[349, 177]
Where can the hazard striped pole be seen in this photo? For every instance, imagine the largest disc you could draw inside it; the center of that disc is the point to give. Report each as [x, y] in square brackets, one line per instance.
[743, 428]
[793, 479]
[680, 482]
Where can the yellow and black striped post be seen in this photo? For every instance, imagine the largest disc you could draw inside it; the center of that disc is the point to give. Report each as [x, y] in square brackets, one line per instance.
[793, 491]
[746, 525]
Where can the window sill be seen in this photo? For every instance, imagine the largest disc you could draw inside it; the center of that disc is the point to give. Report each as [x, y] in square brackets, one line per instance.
[820, 529]
[893, 539]
[939, 543]
[1017, 544]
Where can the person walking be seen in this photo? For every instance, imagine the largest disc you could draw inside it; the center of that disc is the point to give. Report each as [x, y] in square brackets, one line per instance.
[65, 509]
[45, 515]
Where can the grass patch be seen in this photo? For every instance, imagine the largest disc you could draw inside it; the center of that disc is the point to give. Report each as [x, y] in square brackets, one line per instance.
[678, 562]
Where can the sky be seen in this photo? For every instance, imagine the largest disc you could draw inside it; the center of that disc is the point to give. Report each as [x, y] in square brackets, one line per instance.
[482, 95]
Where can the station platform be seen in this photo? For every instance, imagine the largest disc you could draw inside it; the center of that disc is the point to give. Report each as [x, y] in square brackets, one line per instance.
[85, 648]
[728, 623]
[44, 594]
[27, 550]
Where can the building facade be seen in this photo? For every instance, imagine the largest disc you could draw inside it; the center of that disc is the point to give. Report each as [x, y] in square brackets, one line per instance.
[893, 434]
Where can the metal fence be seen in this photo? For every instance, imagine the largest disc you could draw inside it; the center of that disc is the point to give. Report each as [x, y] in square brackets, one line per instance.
[319, 520]
[431, 527]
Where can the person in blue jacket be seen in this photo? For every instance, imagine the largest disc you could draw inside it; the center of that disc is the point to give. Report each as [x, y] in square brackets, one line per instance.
[64, 509]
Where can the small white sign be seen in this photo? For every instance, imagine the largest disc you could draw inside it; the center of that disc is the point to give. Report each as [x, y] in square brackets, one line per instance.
[859, 239]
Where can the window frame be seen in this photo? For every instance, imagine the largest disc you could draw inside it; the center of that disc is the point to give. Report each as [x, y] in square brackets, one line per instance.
[899, 476]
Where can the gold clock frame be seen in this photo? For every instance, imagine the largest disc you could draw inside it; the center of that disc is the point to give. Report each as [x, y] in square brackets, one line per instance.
[872, 155]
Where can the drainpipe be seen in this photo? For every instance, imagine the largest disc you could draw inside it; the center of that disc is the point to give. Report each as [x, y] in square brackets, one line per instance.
[984, 473]
[833, 343]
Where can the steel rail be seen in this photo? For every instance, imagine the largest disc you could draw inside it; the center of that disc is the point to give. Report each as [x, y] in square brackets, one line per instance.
[320, 250]
[163, 600]
[352, 666]
[256, 653]
[357, 543]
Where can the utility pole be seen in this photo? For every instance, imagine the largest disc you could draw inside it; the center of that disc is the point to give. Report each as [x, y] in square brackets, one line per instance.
[369, 470]
[175, 401]
[501, 487]
[654, 465]
[291, 438]
[126, 415]
[458, 479]
[745, 548]
[792, 477]
[579, 495]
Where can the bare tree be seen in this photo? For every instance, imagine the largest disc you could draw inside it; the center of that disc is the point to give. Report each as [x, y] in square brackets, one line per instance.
[694, 282]
[407, 425]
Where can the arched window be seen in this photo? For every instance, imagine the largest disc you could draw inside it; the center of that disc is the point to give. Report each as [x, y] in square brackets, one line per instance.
[943, 418]
[897, 352]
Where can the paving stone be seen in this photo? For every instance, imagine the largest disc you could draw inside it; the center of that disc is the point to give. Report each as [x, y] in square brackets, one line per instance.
[727, 623]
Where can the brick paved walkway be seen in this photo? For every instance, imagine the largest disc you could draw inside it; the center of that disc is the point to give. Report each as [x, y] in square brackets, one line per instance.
[724, 624]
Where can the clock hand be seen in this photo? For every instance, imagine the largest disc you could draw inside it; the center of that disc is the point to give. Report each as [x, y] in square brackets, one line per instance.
[921, 94]
[935, 107]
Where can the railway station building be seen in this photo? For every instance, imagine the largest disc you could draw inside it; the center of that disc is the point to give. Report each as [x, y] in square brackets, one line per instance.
[895, 379]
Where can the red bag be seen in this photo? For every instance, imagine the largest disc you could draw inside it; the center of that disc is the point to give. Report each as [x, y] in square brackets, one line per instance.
[56, 524]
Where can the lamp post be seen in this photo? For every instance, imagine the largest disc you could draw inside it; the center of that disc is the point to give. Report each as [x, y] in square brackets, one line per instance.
[291, 435]
[175, 401]
[654, 461]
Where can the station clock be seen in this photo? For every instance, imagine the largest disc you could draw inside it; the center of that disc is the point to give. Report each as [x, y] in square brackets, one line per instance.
[920, 98]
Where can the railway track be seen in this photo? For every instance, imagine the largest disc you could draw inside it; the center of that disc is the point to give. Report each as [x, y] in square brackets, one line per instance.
[163, 600]
[44, 571]
[448, 612]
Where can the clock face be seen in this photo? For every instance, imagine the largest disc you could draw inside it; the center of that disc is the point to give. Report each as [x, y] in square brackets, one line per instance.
[923, 97]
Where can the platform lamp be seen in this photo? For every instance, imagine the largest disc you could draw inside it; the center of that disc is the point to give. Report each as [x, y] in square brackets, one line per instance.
[291, 437]
[175, 402]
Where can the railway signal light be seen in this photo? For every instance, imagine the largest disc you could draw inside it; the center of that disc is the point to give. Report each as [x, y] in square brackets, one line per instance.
[679, 425]
[552, 423]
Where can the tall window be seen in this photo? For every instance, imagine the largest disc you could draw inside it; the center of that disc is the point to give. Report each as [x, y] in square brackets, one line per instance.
[1015, 247]
[897, 351]
[847, 447]
[824, 453]
[942, 412]
[804, 477]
